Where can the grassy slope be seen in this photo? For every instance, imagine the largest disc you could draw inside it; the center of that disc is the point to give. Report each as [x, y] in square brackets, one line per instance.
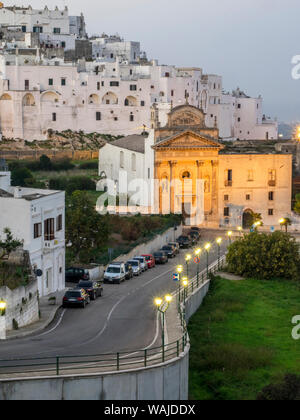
[241, 338]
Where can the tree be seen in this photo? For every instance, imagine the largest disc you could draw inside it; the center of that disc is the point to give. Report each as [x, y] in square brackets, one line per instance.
[86, 230]
[22, 177]
[45, 163]
[9, 245]
[265, 256]
[297, 204]
[285, 222]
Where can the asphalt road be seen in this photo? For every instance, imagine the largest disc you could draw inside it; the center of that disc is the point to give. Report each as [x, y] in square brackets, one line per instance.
[124, 319]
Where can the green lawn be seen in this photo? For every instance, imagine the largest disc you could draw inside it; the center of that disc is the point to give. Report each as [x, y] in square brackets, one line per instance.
[241, 338]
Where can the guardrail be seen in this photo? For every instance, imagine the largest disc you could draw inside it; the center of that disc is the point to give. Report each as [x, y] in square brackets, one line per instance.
[111, 362]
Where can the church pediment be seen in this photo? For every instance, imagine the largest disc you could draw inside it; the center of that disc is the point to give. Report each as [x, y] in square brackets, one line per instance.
[188, 140]
[186, 116]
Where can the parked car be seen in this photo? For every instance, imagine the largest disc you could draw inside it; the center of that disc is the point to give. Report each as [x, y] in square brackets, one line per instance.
[160, 257]
[170, 250]
[93, 288]
[195, 235]
[115, 273]
[76, 297]
[150, 260]
[75, 274]
[136, 267]
[184, 241]
[143, 262]
[128, 269]
[196, 229]
[176, 246]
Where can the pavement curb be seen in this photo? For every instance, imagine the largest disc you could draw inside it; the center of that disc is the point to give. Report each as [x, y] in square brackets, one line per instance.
[44, 325]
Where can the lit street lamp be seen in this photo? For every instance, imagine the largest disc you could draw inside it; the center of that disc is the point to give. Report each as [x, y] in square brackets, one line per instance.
[229, 234]
[207, 249]
[179, 270]
[162, 307]
[240, 229]
[2, 307]
[197, 253]
[185, 284]
[219, 241]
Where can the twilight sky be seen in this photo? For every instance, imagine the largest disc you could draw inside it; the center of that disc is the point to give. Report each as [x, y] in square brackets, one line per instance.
[249, 42]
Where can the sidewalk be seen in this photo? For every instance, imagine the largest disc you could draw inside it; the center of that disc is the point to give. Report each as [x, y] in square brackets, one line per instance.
[47, 314]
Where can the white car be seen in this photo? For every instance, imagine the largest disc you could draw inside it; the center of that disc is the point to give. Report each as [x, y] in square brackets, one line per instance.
[115, 273]
[136, 267]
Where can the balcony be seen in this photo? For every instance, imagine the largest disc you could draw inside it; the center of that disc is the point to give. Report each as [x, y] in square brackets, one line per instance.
[228, 183]
[49, 245]
[272, 183]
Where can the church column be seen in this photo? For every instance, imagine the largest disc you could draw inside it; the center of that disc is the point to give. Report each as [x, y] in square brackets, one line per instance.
[172, 189]
[157, 188]
[200, 192]
[215, 209]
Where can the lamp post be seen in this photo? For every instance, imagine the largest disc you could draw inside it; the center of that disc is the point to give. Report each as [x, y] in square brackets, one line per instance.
[197, 253]
[2, 320]
[219, 241]
[179, 270]
[207, 248]
[188, 258]
[240, 229]
[229, 234]
[162, 307]
[185, 284]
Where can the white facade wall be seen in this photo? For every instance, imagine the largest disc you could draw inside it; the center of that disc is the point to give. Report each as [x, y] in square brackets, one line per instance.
[31, 18]
[20, 215]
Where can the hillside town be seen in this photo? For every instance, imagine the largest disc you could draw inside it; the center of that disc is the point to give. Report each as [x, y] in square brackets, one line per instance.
[111, 166]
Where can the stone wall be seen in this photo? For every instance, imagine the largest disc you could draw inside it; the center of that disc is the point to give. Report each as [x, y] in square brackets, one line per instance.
[52, 154]
[22, 305]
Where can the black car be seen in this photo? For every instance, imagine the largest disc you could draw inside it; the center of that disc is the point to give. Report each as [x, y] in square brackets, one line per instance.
[93, 288]
[195, 235]
[160, 257]
[184, 241]
[196, 229]
[170, 251]
[76, 297]
[75, 274]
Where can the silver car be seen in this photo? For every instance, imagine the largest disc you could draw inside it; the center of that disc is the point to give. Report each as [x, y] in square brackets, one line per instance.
[143, 262]
[136, 267]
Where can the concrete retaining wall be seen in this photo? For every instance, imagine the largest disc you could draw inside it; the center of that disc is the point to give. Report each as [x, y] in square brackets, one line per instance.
[165, 382]
[22, 305]
[195, 300]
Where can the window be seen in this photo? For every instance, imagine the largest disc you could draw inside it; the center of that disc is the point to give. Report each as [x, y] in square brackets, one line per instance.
[133, 87]
[63, 44]
[228, 178]
[142, 103]
[37, 230]
[24, 28]
[50, 82]
[271, 212]
[172, 92]
[49, 229]
[272, 177]
[133, 162]
[102, 84]
[114, 83]
[63, 81]
[98, 85]
[250, 175]
[239, 120]
[149, 173]
[98, 116]
[26, 84]
[167, 74]
[226, 197]
[38, 29]
[54, 116]
[271, 195]
[226, 211]
[59, 223]
[56, 30]
[239, 106]
[248, 197]
[131, 117]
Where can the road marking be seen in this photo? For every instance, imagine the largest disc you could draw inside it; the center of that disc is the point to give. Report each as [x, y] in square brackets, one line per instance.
[55, 326]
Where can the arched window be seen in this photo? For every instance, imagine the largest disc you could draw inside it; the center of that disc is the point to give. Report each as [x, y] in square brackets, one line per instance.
[186, 175]
[130, 101]
[93, 99]
[28, 100]
[121, 159]
[110, 98]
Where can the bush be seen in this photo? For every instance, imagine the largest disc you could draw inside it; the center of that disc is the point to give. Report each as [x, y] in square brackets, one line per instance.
[76, 183]
[265, 256]
[89, 165]
[21, 177]
[288, 390]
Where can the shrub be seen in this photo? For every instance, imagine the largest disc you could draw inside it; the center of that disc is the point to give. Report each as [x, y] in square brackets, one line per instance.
[288, 390]
[265, 256]
[76, 183]
[15, 324]
[21, 177]
[89, 165]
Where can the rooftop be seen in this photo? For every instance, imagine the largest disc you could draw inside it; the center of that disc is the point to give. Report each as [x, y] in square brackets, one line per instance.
[135, 143]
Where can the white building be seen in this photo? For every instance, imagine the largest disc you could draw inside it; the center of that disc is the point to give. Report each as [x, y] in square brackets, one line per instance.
[118, 93]
[38, 218]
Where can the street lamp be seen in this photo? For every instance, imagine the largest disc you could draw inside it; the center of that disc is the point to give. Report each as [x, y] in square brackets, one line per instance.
[2, 307]
[162, 307]
[229, 234]
[185, 284]
[207, 249]
[179, 270]
[188, 258]
[240, 229]
[219, 241]
[197, 253]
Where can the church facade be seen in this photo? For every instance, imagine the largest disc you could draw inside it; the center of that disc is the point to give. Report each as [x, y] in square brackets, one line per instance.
[195, 175]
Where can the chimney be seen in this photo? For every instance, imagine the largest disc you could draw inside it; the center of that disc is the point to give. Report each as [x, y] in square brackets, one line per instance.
[17, 192]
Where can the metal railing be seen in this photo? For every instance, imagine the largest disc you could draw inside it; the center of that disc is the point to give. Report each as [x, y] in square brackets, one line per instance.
[111, 362]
